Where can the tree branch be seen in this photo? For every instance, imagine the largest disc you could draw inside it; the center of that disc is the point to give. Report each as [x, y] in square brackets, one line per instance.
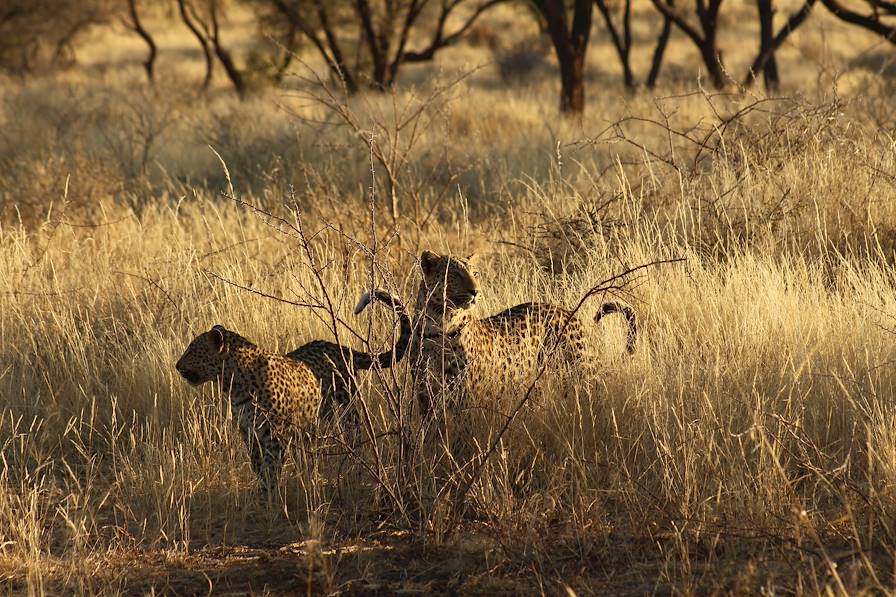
[623, 44]
[870, 23]
[206, 51]
[795, 20]
[679, 21]
[137, 26]
[440, 40]
[233, 73]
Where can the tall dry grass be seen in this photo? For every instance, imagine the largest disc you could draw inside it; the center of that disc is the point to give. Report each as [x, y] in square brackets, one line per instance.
[746, 446]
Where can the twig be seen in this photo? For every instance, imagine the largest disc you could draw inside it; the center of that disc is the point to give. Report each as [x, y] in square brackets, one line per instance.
[279, 299]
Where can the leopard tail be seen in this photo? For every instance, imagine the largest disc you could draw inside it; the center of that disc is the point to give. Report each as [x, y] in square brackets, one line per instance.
[630, 318]
[363, 360]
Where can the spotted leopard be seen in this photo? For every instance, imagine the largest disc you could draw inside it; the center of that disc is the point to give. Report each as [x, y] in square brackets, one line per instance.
[453, 351]
[272, 396]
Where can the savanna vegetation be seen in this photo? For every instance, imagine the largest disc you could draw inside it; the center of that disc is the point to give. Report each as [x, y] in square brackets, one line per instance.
[168, 166]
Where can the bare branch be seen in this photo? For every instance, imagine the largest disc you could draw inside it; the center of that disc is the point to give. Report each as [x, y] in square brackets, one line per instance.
[202, 39]
[137, 26]
[440, 40]
[793, 22]
[872, 23]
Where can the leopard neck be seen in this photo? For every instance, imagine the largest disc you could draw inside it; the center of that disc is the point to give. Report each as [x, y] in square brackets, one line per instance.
[234, 341]
[238, 351]
[433, 317]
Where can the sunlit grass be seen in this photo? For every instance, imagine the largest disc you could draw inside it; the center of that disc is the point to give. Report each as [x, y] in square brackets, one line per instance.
[748, 443]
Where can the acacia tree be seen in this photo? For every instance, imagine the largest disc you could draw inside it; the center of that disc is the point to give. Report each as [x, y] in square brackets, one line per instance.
[317, 22]
[768, 44]
[380, 32]
[134, 23]
[569, 35]
[621, 36]
[206, 27]
[37, 34]
[187, 16]
[622, 39]
[704, 37]
[880, 9]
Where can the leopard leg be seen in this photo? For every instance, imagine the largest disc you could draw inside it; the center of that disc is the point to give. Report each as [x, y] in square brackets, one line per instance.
[344, 410]
[273, 464]
[350, 411]
[265, 453]
[424, 398]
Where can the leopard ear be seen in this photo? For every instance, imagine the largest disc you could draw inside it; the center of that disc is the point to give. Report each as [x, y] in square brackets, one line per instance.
[216, 336]
[428, 262]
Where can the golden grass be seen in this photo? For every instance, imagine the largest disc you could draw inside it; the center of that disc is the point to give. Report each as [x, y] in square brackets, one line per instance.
[747, 444]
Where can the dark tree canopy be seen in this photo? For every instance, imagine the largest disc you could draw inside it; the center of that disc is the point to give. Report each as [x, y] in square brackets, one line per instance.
[37, 34]
[366, 43]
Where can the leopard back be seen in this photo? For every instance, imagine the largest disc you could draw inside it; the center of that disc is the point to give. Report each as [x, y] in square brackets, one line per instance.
[457, 354]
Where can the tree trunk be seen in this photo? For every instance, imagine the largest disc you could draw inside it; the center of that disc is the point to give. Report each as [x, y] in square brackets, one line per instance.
[622, 43]
[572, 80]
[704, 38]
[571, 47]
[709, 49]
[206, 51]
[627, 43]
[380, 68]
[766, 34]
[659, 51]
[712, 58]
[337, 64]
[767, 53]
[233, 73]
[288, 53]
[376, 43]
[137, 26]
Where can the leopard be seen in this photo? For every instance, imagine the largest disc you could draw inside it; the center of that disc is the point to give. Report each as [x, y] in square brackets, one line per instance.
[457, 354]
[276, 399]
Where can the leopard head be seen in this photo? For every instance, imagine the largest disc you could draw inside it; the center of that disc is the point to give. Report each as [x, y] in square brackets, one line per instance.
[451, 282]
[204, 357]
